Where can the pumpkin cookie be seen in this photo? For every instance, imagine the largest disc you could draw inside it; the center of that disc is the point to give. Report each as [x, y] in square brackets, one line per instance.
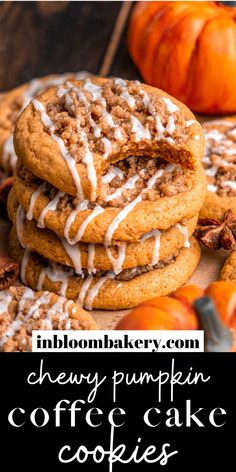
[106, 290]
[22, 310]
[228, 272]
[71, 134]
[219, 162]
[128, 215]
[154, 246]
[11, 105]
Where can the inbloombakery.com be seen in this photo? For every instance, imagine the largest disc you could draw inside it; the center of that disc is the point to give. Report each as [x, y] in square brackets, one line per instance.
[118, 341]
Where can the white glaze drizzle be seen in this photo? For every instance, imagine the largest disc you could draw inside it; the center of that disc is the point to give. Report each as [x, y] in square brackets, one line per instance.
[55, 273]
[169, 168]
[212, 188]
[190, 123]
[222, 122]
[44, 299]
[117, 263]
[111, 174]
[154, 178]
[41, 189]
[120, 217]
[51, 206]
[35, 87]
[38, 85]
[60, 308]
[94, 290]
[84, 289]
[156, 234]
[71, 163]
[24, 263]
[170, 127]
[229, 183]
[126, 210]
[28, 294]
[20, 218]
[8, 153]
[45, 118]
[130, 100]
[107, 147]
[226, 146]
[118, 134]
[96, 211]
[96, 92]
[129, 185]
[225, 150]
[214, 134]
[171, 107]
[139, 130]
[5, 300]
[91, 255]
[15, 325]
[183, 230]
[82, 206]
[94, 89]
[211, 171]
[82, 97]
[88, 161]
[74, 254]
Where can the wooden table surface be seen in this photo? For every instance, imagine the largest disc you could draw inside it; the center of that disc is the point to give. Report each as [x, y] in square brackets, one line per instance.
[38, 38]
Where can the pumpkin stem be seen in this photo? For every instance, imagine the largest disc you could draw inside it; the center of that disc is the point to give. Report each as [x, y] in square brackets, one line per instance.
[218, 338]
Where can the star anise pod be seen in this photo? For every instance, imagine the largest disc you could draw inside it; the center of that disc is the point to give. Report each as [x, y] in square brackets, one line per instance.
[217, 234]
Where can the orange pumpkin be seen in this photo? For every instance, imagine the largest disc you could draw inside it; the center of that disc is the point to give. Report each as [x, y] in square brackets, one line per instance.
[160, 313]
[188, 50]
[177, 312]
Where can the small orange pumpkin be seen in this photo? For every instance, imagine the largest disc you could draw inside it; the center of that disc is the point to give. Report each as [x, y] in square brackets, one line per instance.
[176, 311]
[188, 50]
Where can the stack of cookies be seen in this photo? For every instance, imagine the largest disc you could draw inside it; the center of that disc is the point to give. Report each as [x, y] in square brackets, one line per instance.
[107, 191]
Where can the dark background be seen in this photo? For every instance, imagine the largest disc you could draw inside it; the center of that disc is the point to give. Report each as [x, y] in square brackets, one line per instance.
[38, 38]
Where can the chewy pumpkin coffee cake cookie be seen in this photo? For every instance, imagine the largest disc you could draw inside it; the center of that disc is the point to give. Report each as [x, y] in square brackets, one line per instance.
[219, 162]
[152, 139]
[134, 207]
[85, 126]
[107, 190]
[22, 311]
[107, 290]
[153, 246]
[11, 105]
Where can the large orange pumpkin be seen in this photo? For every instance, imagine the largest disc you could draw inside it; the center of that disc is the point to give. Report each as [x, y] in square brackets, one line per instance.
[187, 49]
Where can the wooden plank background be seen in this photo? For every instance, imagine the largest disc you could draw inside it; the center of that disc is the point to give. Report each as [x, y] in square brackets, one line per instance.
[39, 38]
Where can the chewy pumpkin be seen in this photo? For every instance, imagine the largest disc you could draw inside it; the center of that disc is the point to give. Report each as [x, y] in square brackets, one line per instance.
[177, 312]
[188, 50]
